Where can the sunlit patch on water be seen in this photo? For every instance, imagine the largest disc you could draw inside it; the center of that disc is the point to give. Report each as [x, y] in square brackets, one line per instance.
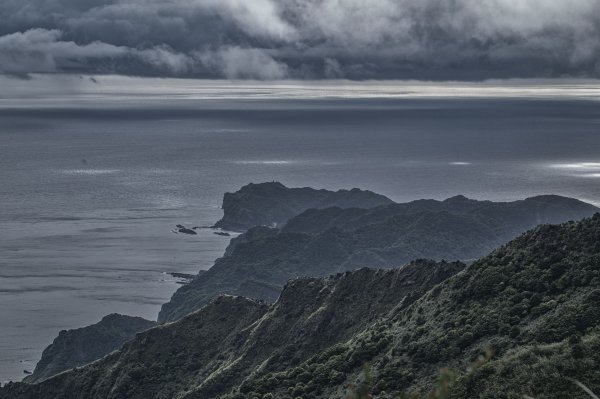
[284, 162]
[227, 130]
[165, 202]
[266, 162]
[579, 169]
[460, 163]
[87, 172]
[588, 166]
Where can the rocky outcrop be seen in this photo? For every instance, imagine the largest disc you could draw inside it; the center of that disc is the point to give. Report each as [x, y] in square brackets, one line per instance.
[74, 348]
[320, 242]
[272, 204]
[184, 230]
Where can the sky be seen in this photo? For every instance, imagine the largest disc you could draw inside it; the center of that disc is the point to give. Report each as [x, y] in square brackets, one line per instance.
[302, 39]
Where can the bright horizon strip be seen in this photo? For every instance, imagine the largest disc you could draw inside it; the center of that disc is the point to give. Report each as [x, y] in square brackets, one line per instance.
[115, 87]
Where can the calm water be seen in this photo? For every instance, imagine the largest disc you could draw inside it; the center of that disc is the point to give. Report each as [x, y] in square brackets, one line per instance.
[90, 191]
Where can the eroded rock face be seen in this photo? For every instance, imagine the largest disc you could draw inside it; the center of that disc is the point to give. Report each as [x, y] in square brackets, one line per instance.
[78, 347]
[272, 204]
[320, 242]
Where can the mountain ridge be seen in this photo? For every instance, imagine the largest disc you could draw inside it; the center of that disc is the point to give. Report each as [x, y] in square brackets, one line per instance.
[232, 334]
[534, 300]
[320, 242]
[550, 326]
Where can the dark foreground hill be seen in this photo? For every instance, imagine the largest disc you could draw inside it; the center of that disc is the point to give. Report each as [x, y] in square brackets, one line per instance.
[73, 348]
[272, 204]
[217, 347]
[320, 242]
[535, 301]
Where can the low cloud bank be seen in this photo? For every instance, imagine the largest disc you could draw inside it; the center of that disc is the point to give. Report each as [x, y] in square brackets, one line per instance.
[303, 39]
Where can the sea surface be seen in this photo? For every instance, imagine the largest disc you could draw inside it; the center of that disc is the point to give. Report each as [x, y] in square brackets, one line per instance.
[94, 176]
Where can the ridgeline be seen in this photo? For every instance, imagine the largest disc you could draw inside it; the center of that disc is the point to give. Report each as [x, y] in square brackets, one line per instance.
[320, 242]
[535, 301]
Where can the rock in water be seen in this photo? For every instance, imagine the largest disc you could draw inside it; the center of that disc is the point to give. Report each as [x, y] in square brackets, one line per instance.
[185, 230]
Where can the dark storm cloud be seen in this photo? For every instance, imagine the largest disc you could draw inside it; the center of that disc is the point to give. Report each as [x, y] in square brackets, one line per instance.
[273, 39]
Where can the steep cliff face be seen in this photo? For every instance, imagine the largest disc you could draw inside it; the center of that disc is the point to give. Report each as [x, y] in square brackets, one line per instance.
[74, 348]
[272, 204]
[325, 241]
[215, 349]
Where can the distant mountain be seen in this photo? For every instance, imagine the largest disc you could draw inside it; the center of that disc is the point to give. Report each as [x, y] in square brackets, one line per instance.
[272, 204]
[498, 217]
[320, 242]
[74, 348]
[535, 301]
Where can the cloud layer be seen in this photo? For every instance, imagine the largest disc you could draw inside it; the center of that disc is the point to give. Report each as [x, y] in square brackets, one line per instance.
[274, 39]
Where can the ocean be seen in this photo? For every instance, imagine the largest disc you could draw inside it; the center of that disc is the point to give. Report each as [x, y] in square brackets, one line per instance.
[94, 178]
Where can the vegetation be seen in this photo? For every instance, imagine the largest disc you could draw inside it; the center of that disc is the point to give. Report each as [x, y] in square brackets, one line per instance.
[444, 386]
[536, 301]
[81, 346]
[213, 349]
[328, 241]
